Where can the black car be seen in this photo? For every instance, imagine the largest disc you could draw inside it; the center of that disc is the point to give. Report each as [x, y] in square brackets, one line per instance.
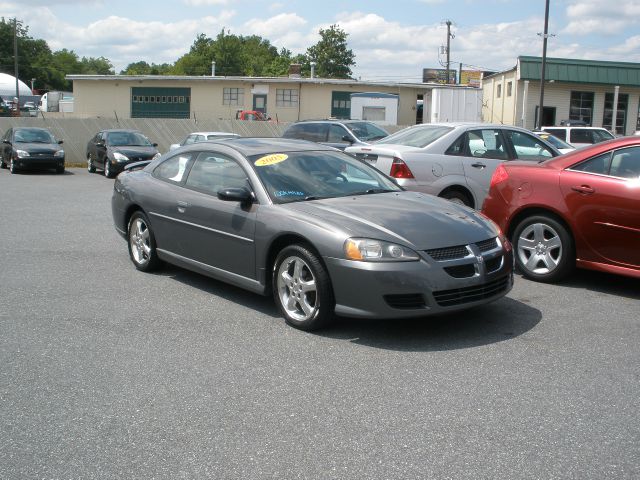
[111, 150]
[31, 147]
[336, 133]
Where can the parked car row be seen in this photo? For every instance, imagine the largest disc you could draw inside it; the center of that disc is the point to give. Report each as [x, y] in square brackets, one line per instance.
[306, 222]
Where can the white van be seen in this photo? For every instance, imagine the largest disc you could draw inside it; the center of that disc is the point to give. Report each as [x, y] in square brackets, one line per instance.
[580, 137]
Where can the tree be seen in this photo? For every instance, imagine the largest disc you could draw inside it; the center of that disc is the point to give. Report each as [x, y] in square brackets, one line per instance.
[333, 58]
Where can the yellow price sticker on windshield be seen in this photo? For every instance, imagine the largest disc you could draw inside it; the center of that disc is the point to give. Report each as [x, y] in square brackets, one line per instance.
[271, 159]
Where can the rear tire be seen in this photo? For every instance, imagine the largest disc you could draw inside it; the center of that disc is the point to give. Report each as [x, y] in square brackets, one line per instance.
[543, 248]
[457, 197]
[3, 164]
[302, 288]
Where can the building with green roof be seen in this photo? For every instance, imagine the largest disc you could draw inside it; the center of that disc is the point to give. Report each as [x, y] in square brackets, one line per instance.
[575, 90]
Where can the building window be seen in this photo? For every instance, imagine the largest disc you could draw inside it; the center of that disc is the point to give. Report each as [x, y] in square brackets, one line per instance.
[286, 97]
[499, 91]
[621, 114]
[233, 96]
[509, 88]
[581, 107]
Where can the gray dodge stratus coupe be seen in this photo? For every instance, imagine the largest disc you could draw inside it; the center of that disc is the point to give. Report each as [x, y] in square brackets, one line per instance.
[324, 232]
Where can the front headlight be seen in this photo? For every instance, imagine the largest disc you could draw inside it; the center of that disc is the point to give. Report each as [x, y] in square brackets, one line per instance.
[157, 155]
[59, 154]
[22, 153]
[118, 157]
[370, 250]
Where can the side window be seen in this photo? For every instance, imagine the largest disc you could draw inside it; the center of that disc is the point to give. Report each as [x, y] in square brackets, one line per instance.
[212, 172]
[580, 136]
[336, 132]
[457, 148]
[294, 131]
[626, 163]
[486, 143]
[173, 169]
[527, 147]
[316, 132]
[598, 164]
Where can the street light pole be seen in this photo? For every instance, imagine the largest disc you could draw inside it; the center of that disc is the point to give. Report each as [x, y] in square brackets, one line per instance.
[544, 63]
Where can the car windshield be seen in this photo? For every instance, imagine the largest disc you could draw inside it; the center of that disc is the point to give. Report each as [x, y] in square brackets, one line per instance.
[367, 132]
[131, 139]
[312, 175]
[416, 136]
[33, 135]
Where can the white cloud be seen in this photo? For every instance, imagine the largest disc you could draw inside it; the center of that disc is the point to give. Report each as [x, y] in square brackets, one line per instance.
[123, 40]
[282, 30]
[592, 16]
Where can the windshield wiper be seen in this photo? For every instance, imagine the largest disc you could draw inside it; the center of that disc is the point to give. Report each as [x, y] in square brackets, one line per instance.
[373, 190]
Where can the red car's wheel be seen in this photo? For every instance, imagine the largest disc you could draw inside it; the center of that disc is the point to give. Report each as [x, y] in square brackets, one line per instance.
[544, 248]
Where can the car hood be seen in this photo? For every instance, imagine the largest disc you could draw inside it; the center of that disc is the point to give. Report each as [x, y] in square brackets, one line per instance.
[130, 150]
[37, 147]
[411, 218]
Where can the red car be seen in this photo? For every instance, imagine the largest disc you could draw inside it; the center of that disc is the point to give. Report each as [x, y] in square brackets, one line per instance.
[580, 209]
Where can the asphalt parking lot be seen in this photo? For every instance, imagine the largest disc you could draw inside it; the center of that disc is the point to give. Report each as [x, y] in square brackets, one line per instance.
[106, 372]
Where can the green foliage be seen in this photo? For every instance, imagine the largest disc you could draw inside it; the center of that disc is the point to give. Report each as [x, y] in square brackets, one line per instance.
[333, 58]
[235, 55]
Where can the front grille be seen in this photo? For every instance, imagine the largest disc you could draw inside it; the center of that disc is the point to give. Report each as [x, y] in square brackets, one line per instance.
[493, 264]
[487, 245]
[460, 296]
[461, 271]
[448, 253]
[405, 301]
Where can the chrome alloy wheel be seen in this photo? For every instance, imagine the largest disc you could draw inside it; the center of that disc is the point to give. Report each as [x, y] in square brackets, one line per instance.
[297, 289]
[539, 248]
[140, 241]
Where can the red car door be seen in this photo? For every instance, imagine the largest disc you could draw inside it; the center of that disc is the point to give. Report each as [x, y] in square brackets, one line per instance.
[606, 212]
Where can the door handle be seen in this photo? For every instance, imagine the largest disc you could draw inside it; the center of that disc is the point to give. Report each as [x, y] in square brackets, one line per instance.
[478, 165]
[182, 206]
[583, 189]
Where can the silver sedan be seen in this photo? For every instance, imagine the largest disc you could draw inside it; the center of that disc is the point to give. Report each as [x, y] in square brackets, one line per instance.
[321, 231]
[454, 161]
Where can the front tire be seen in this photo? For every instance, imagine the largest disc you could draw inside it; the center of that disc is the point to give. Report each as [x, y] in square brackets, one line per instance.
[3, 164]
[12, 166]
[90, 167]
[302, 288]
[142, 243]
[107, 168]
[544, 249]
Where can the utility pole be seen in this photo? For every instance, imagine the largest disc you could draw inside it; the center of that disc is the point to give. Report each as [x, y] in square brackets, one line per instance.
[449, 36]
[544, 63]
[15, 61]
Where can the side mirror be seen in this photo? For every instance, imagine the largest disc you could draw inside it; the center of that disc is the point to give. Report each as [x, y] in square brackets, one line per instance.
[241, 195]
[154, 144]
[6, 141]
[60, 142]
[347, 138]
[100, 144]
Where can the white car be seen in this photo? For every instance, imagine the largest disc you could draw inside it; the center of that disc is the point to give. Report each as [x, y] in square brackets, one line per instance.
[197, 137]
[580, 136]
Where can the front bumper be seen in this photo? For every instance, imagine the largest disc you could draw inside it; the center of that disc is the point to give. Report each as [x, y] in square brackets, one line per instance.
[422, 288]
[48, 161]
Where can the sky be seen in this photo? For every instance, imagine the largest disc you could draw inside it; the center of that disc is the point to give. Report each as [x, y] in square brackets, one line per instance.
[391, 40]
